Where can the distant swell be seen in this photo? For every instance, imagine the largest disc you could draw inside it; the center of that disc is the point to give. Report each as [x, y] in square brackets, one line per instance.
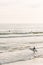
[20, 36]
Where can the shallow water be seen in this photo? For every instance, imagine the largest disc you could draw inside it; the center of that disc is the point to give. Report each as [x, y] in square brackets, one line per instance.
[17, 49]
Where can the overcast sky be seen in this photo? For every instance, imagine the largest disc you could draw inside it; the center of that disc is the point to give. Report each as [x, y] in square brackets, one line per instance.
[21, 3]
[24, 11]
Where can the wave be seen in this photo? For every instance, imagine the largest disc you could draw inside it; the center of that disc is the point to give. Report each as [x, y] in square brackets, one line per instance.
[11, 36]
[23, 55]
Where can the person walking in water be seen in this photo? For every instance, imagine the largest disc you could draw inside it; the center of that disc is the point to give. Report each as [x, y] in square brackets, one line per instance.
[34, 50]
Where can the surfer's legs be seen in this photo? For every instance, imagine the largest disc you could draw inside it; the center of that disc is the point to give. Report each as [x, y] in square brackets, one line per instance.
[34, 53]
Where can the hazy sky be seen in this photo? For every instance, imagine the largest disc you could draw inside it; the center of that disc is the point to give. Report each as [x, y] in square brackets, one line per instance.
[21, 3]
[21, 11]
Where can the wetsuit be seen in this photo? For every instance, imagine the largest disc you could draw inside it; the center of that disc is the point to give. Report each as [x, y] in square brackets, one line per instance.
[34, 49]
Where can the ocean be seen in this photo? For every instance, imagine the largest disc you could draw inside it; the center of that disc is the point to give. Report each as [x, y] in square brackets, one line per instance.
[15, 43]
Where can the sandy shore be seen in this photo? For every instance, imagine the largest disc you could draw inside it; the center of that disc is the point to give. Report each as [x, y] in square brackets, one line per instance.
[36, 61]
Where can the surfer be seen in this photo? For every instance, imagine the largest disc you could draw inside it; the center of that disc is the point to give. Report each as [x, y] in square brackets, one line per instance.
[34, 50]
